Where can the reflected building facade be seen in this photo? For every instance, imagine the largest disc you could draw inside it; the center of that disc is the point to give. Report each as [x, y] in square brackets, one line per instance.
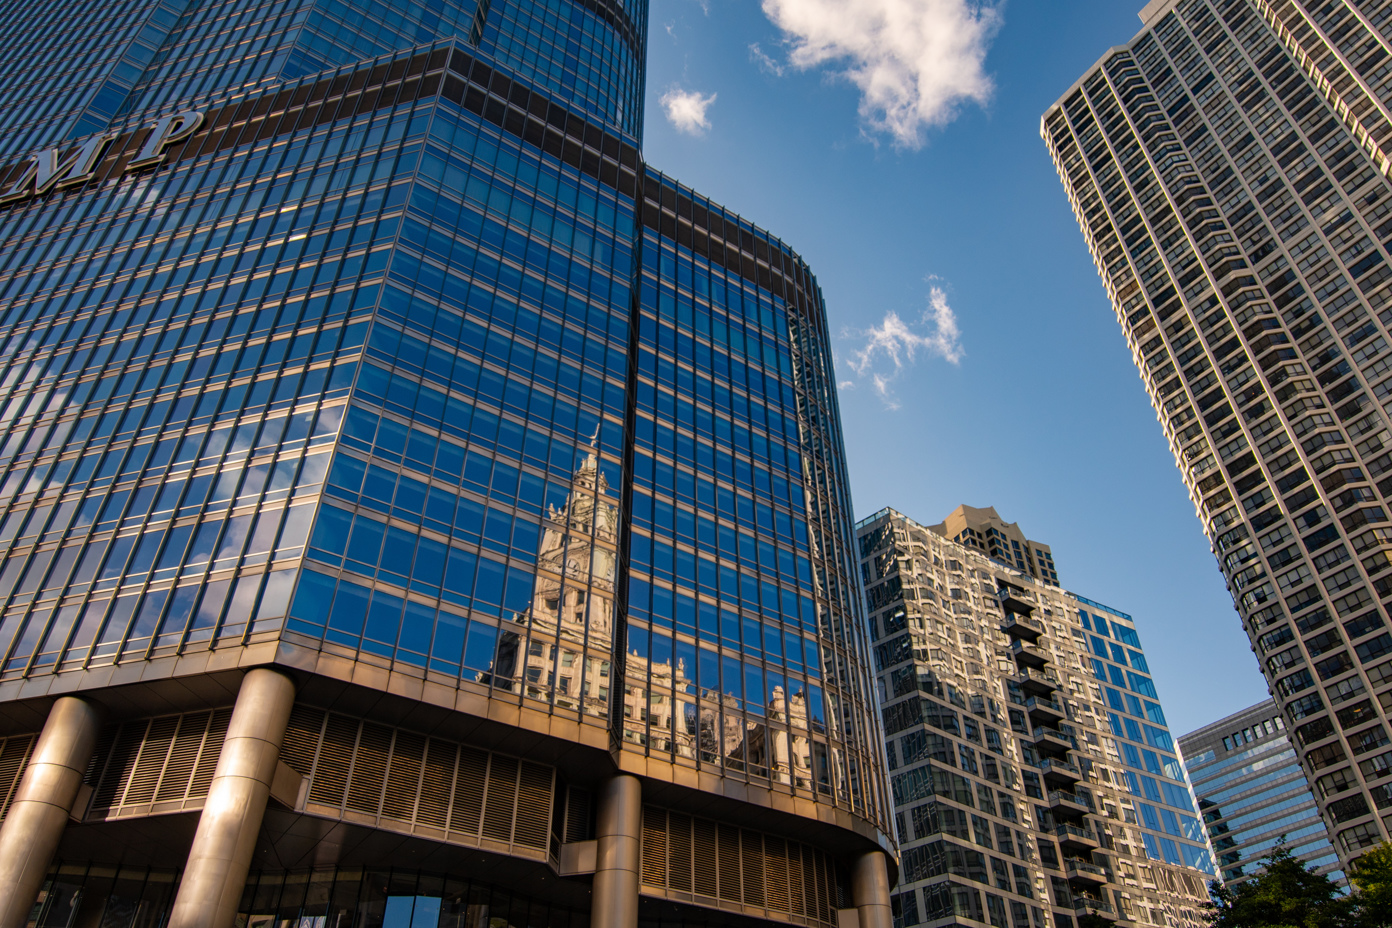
[1228, 168]
[568, 628]
[399, 478]
[1033, 774]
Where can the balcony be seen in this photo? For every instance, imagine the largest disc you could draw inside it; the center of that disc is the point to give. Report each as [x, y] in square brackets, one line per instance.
[1051, 741]
[1036, 683]
[1013, 600]
[1023, 627]
[1060, 773]
[1076, 840]
[1083, 874]
[1088, 905]
[1044, 711]
[1063, 803]
[1027, 655]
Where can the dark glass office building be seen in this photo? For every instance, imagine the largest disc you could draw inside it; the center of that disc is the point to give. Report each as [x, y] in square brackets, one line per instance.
[1253, 794]
[415, 510]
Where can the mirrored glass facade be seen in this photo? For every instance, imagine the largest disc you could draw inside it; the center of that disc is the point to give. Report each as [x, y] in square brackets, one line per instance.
[1032, 770]
[100, 61]
[1228, 170]
[362, 343]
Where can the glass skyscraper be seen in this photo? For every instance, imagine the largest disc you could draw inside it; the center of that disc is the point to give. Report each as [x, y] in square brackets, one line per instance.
[1253, 793]
[1033, 774]
[1228, 168]
[415, 510]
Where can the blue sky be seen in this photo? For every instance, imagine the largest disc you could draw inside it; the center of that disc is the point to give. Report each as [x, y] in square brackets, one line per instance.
[980, 360]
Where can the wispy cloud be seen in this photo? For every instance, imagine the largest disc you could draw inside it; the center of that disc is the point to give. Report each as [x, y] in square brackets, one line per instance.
[764, 60]
[915, 61]
[888, 348]
[686, 110]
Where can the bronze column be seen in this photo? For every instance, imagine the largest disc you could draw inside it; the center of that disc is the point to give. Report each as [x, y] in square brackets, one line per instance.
[216, 872]
[34, 825]
[620, 823]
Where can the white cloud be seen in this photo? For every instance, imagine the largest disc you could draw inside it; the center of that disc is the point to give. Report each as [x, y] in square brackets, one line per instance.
[914, 61]
[892, 345]
[686, 109]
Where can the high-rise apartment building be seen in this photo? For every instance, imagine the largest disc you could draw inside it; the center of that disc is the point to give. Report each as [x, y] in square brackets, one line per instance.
[1253, 793]
[414, 508]
[986, 531]
[1033, 775]
[1226, 167]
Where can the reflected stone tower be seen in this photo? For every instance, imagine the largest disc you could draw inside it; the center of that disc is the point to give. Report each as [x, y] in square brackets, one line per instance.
[415, 510]
[569, 629]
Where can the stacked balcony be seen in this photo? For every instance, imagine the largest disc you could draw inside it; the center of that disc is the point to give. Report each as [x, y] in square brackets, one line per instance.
[1044, 710]
[1016, 602]
[1052, 742]
[1076, 839]
[1037, 683]
[1066, 806]
[1021, 626]
[1084, 904]
[1059, 773]
[1030, 662]
[1054, 745]
[1084, 876]
[1027, 655]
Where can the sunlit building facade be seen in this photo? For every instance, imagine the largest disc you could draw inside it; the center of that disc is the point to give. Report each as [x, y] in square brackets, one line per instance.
[1253, 794]
[986, 531]
[413, 506]
[1228, 170]
[1034, 778]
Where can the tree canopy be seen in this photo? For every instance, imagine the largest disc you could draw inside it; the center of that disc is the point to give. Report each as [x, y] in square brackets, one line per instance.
[1285, 894]
[1288, 894]
[1372, 874]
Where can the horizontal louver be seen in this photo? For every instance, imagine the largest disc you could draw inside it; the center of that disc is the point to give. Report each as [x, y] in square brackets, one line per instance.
[14, 756]
[738, 869]
[578, 817]
[155, 766]
[375, 774]
[404, 781]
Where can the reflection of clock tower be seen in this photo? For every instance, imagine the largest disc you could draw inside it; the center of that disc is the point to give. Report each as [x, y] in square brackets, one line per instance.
[569, 550]
[571, 621]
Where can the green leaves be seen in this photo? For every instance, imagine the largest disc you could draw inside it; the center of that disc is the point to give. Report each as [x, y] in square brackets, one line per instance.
[1287, 894]
[1372, 874]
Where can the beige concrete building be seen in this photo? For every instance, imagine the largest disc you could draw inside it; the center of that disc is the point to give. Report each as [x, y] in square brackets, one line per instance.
[1228, 169]
[1034, 778]
[987, 532]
